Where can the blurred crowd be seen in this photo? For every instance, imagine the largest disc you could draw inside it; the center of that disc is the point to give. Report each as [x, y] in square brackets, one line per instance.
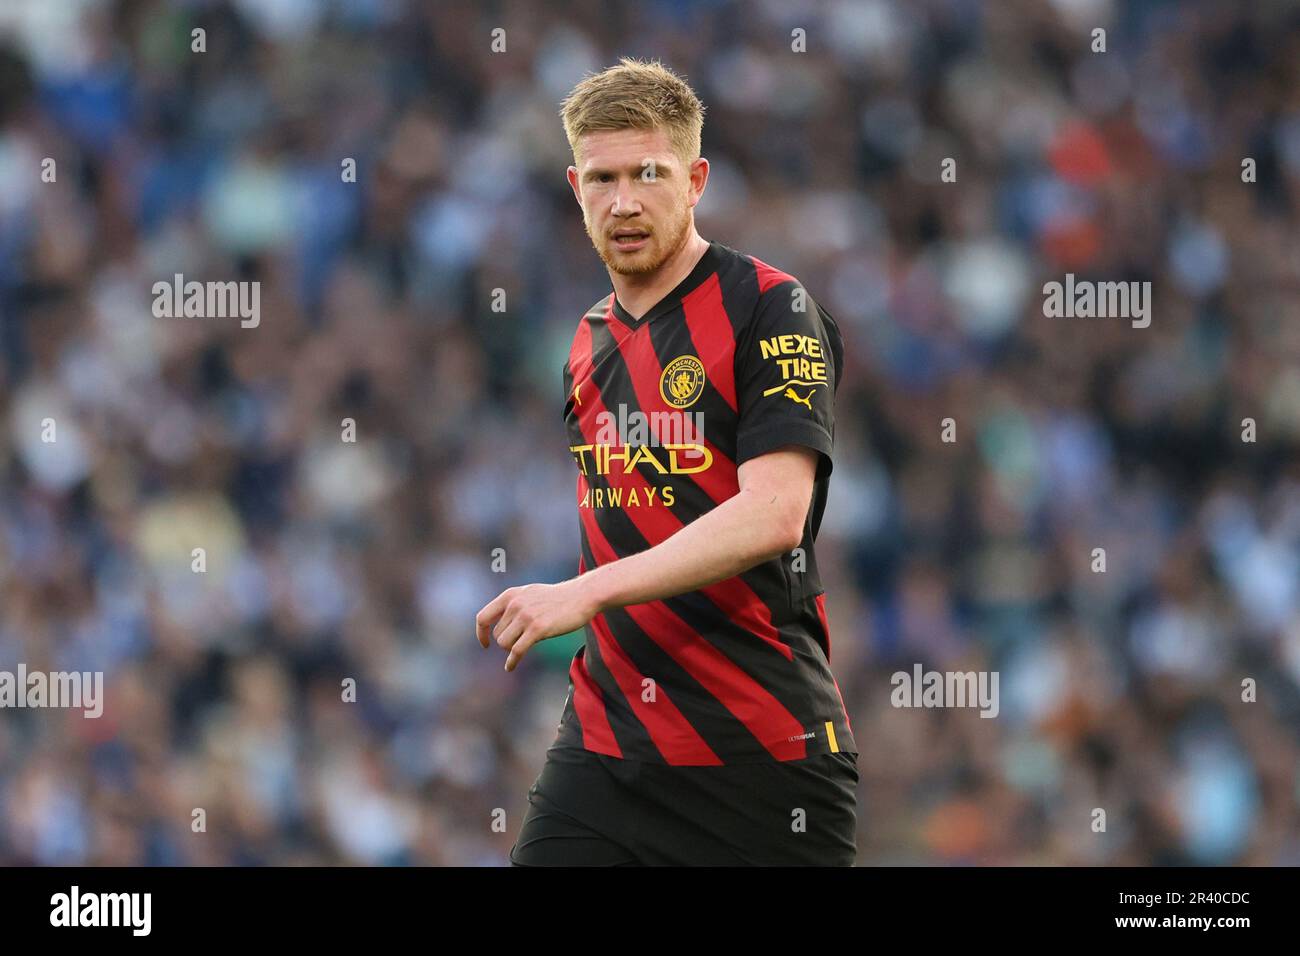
[1164, 690]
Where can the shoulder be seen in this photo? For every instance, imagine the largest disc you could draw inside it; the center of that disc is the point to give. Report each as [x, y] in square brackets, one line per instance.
[739, 270]
[596, 313]
[599, 310]
[581, 344]
[783, 315]
[770, 278]
[777, 296]
[760, 288]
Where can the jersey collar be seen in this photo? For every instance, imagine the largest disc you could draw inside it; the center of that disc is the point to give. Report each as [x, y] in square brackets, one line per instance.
[707, 265]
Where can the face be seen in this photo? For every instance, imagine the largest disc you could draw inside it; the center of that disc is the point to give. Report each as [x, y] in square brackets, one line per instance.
[637, 197]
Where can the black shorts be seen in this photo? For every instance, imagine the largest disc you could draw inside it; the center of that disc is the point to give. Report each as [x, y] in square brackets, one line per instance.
[587, 809]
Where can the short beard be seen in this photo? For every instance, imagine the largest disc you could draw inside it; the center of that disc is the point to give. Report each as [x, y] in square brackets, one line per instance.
[673, 246]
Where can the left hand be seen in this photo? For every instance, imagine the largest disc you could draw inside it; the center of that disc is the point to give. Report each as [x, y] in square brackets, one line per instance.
[525, 615]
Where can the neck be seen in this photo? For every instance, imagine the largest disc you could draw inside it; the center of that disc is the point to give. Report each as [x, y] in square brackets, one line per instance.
[638, 293]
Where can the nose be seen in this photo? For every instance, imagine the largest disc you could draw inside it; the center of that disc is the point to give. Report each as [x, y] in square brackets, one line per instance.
[624, 202]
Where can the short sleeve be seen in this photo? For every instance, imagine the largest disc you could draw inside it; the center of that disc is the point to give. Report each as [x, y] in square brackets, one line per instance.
[788, 364]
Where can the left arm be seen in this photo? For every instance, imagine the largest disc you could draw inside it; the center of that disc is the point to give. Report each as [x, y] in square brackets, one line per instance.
[763, 519]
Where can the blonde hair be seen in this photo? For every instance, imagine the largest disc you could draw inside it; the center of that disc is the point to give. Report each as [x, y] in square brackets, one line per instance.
[636, 94]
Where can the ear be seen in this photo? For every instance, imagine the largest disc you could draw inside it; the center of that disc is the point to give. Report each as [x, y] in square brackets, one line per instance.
[699, 177]
[572, 175]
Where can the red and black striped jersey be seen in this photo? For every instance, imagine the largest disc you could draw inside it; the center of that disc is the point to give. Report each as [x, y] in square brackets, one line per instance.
[736, 361]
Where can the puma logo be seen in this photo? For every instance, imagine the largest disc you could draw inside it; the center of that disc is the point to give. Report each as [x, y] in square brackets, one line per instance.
[791, 394]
